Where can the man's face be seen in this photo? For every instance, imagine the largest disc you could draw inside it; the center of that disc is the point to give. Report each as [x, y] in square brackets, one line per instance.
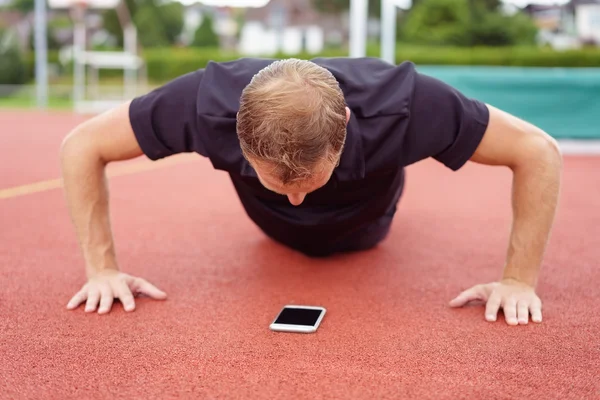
[296, 191]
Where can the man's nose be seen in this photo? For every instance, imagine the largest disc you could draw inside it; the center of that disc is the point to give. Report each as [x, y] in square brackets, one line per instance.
[296, 198]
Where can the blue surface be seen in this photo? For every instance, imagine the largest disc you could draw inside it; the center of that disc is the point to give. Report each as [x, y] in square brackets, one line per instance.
[565, 102]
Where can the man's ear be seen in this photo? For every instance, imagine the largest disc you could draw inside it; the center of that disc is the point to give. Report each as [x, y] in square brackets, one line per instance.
[347, 115]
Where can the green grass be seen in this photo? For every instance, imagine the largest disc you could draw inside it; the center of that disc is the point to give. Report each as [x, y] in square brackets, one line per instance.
[59, 96]
[27, 103]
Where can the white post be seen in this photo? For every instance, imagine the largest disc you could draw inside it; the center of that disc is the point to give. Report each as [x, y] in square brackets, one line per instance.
[358, 27]
[144, 78]
[41, 54]
[130, 73]
[130, 39]
[94, 82]
[79, 49]
[388, 31]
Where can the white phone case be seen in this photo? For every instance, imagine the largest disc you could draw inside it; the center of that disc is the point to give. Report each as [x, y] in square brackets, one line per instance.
[298, 328]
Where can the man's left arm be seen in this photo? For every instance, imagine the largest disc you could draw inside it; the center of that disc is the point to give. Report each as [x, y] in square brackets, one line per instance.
[536, 163]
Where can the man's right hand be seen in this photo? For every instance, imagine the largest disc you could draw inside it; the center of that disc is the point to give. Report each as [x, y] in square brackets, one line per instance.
[103, 287]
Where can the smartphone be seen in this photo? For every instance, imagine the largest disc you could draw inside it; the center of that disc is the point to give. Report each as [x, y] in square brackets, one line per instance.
[300, 319]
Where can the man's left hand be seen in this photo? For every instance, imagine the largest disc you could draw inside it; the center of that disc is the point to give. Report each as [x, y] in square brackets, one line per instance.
[516, 299]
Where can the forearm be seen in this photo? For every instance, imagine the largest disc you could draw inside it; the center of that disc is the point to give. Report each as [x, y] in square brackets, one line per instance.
[536, 186]
[87, 197]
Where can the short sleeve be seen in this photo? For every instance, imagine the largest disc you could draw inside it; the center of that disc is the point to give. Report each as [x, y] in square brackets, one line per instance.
[165, 120]
[444, 124]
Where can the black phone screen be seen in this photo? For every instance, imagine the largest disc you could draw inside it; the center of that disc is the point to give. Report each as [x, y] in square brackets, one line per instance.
[298, 316]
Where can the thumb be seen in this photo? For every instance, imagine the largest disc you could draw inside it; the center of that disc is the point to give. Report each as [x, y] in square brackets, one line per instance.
[472, 294]
[145, 287]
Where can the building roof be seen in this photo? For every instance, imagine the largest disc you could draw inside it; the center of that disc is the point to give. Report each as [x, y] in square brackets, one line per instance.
[574, 3]
[578, 2]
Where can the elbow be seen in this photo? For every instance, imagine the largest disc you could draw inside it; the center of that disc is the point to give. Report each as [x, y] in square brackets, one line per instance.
[67, 144]
[545, 152]
[551, 151]
[77, 149]
[70, 146]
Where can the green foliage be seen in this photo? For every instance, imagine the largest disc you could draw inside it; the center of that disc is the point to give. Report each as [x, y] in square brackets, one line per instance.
[22, 5]
[491, 28]
[489, 5]
[523, 29]
[12, 65]
[205, 35]
[437, 22]
[171, 17]
[151, 32]
[331, 6]
[516, 56]
[159, 24]
[166, 64]
[465, 23]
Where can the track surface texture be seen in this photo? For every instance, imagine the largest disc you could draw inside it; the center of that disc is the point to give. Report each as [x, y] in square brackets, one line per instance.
[388, 331]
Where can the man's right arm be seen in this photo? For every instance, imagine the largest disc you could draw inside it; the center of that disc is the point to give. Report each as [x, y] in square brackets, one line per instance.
[85, 153]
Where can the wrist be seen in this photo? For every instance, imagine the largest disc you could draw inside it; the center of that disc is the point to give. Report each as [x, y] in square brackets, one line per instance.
[95, 271]
[528, 279]
[95, 267]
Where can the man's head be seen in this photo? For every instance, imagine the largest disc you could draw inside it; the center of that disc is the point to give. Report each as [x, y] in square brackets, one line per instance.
[292, 126]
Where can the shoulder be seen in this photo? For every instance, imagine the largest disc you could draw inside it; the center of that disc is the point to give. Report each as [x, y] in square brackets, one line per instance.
[223, 82]
[373, 87]
[363, 70]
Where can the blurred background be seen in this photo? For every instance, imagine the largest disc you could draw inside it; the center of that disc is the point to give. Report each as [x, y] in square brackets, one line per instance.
[539, 60]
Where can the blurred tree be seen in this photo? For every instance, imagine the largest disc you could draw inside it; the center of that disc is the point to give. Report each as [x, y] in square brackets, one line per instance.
[22, 5]
[171, 17]
[436, 22]
[465, 23]
[151, 32]
[490, 5]
[13, 69]
[158, 23]
[205, 35]
[523, 29]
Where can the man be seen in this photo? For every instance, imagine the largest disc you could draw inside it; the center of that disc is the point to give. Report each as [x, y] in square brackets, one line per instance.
[316, 151]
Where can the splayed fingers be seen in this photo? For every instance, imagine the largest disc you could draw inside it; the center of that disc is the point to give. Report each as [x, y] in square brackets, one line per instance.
[101, 290]
[517, 300]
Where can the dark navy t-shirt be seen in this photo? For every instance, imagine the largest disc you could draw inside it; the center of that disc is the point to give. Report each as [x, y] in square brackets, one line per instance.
[398, 117]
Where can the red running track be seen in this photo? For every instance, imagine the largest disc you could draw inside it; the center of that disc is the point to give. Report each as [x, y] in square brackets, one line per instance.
[388, 333]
